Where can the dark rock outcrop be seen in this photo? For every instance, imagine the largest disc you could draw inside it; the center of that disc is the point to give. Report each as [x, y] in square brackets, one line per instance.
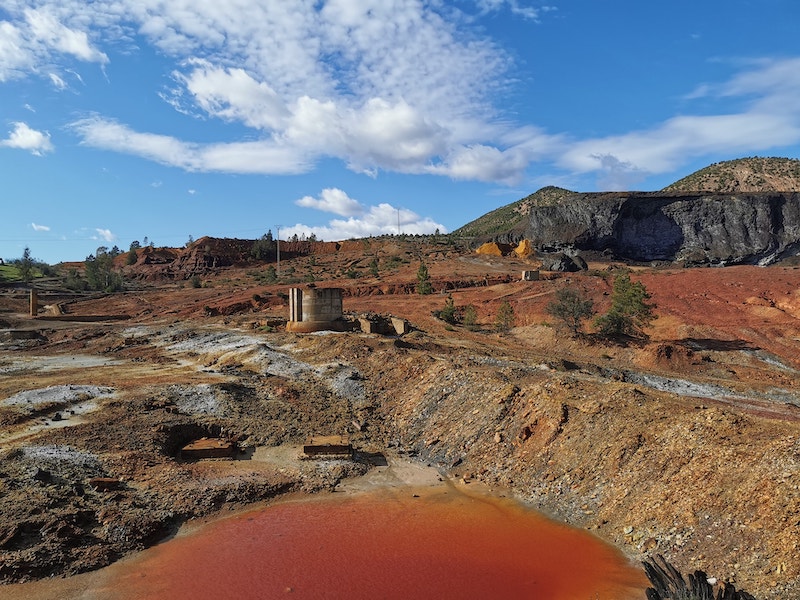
[696, 228]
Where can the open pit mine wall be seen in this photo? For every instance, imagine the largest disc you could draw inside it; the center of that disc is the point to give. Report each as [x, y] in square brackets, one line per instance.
[698, 229]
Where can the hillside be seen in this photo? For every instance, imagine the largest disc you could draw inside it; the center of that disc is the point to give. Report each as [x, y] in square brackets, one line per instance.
[686, 444]
[511, 218]
[755, 174]
[742, 175]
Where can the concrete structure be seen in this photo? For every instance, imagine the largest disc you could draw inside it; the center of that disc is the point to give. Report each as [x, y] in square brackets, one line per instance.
[315, 309]
[530, 276]
[333, 445]
[401, 326]
[209, 448]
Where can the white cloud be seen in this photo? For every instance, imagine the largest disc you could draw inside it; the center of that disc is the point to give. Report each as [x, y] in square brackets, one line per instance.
[333, 200]
[402, 85]
[47, 30]
[770, 119]
[25, 138]
[380, 85]
[259, 157]
[105, 235]
[37, 38]
[40, 227]
[57, 81]
[514, 6]
[382, 219]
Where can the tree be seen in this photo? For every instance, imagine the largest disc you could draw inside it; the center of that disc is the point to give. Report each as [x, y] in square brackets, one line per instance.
[448, 313]
[572, 308]
[505, 317]
[424, 286]
[373, 267]
[263, 248]
[470, 317]
[100, 273]
[25, 266]
[629, 313]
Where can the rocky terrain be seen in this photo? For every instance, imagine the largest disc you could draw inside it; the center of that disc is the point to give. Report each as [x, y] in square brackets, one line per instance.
[695, 228]
[686, 444]
[744, 211]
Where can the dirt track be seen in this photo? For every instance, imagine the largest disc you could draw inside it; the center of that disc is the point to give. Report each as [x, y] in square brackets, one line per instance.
[623, 440]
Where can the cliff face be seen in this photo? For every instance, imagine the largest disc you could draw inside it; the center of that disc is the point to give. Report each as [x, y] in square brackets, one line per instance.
[697, 228]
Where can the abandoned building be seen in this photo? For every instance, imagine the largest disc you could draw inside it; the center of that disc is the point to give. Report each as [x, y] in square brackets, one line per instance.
[315, 309]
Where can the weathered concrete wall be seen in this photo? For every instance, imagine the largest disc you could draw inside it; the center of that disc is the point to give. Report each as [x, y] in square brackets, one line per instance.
[313, 309]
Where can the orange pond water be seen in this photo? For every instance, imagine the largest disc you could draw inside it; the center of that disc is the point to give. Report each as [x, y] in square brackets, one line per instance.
[441, 545]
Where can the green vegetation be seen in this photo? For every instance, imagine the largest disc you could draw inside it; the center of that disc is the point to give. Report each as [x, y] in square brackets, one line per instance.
[629, 313]
[513, 216]
[424, 286]
[506, 318]
[470, 319]
[572, 308]
[373, 267]
[25, 269]
[264, 248]
[100, 274]
[448, 314]
[753, 174]
[25, 266]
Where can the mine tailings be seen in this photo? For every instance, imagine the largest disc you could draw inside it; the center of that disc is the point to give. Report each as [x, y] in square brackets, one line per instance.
[394, 543]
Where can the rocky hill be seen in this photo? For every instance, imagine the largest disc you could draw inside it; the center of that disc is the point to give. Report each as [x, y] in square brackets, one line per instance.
[510, 220]
[745, 211]
[756, 174]
[695, 228]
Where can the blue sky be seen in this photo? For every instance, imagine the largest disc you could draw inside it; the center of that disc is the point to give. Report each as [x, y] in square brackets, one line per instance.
[126, 119]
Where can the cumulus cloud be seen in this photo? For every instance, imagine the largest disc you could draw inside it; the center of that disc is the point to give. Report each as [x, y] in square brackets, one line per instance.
[382, 219]
[24, 138]
[382, 86]
[40, 227]
[334, 201]
[403, 86]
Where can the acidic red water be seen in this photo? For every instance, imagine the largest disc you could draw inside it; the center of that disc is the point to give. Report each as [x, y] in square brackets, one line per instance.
[439, 546]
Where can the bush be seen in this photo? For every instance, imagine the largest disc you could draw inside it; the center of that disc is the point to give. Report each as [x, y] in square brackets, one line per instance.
[572, 308]
[448, 314]
[470, 317]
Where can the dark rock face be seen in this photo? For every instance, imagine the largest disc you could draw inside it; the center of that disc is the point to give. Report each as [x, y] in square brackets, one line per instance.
[695, 228]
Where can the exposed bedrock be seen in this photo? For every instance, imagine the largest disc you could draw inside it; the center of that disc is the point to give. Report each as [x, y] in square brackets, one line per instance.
[719, 229]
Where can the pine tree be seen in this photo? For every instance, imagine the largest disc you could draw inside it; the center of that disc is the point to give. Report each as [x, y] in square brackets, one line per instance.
[25, 266]
[629, 313]
[505, 317]
[424, 286]
[448, 313]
